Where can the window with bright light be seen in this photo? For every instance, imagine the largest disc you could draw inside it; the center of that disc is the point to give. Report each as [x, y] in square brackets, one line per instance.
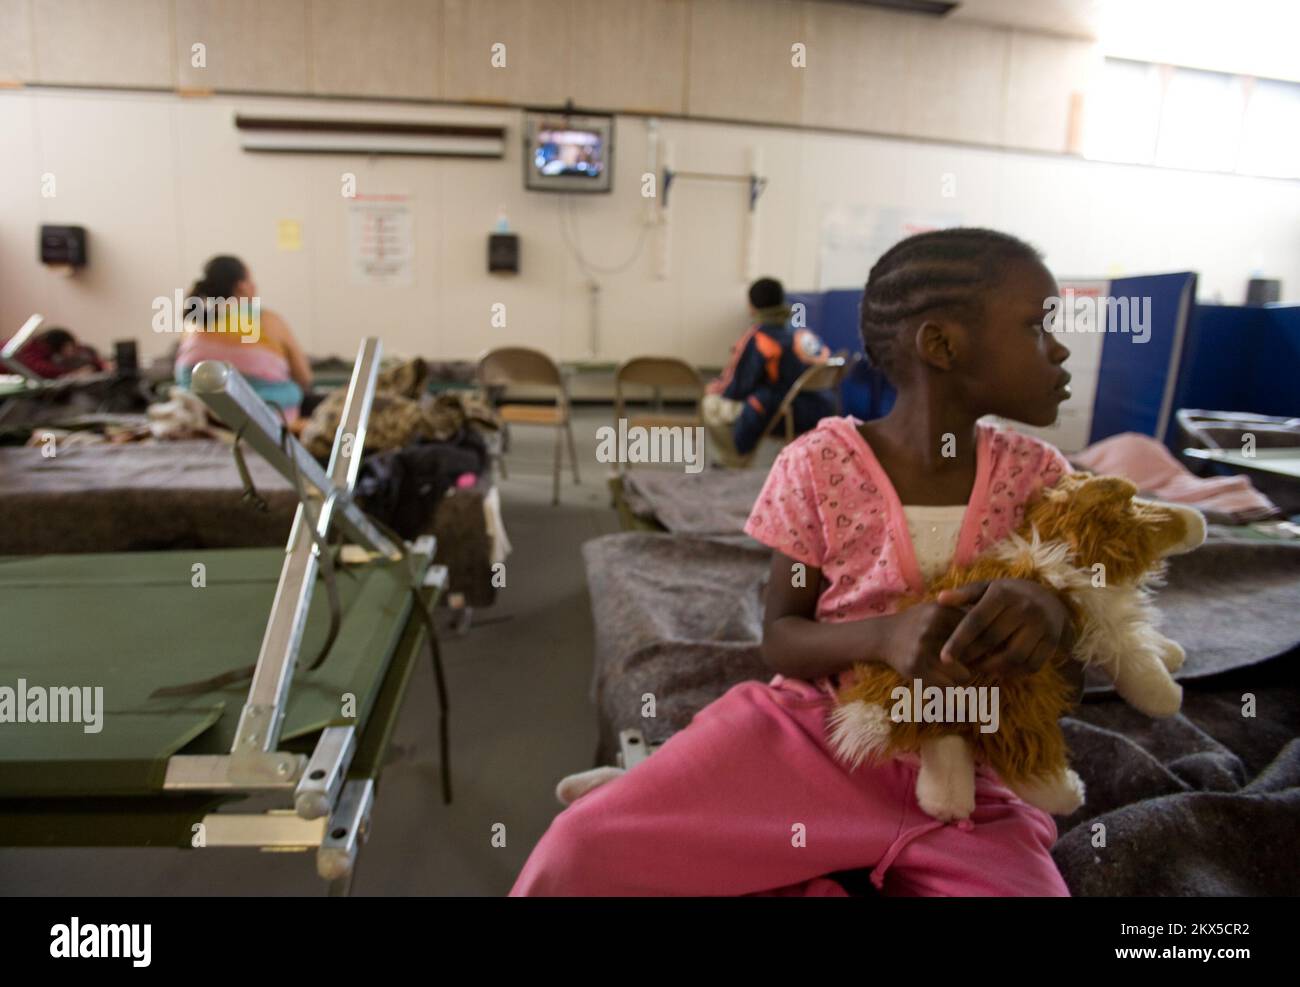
[1200, 121]
[1270, 140]
[1124, 116]
[1187, 118]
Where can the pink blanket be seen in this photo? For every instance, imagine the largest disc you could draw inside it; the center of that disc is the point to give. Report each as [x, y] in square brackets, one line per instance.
[1158, 474]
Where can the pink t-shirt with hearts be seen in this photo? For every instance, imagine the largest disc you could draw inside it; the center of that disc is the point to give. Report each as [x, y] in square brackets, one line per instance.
[828, 503]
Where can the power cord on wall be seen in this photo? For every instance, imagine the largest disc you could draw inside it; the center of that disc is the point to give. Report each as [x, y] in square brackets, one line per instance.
[572, 241]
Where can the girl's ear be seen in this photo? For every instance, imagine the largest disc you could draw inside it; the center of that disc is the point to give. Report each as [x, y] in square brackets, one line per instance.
[935, 345]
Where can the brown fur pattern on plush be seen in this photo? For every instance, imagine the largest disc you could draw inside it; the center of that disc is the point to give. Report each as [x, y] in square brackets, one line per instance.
[1102, 521]
[1068, 530]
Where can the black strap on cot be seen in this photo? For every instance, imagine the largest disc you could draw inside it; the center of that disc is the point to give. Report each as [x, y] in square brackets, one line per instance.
[439, 675]
[328, 572]
[250, 491]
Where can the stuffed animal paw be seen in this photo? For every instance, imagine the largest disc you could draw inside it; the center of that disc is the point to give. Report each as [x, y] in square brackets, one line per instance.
[573, 787]
[945, 786]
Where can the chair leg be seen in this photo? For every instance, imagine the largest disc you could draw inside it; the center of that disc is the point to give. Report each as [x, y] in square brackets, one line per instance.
[573, 455]
[502, 445]
[555, 473]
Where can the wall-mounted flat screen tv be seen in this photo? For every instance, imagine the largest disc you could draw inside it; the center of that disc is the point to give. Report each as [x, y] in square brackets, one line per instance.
[568, 152]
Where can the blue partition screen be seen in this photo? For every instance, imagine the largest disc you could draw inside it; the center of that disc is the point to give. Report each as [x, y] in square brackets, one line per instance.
[1136, 381]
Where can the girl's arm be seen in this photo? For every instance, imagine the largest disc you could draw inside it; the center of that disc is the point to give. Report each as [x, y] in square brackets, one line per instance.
[798, 645]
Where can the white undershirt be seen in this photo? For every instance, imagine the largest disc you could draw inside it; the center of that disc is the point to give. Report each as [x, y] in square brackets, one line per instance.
[934, 532]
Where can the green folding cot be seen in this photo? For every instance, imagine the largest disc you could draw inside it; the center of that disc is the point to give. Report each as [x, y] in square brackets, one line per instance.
[147, 699]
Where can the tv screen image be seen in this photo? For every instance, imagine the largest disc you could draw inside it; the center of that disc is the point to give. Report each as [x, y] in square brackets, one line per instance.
[568, 153]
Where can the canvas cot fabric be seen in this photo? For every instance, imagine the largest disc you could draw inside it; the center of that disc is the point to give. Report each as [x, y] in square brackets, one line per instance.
[140, 624]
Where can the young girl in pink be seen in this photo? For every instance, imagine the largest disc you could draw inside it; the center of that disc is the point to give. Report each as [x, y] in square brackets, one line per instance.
[749, 798]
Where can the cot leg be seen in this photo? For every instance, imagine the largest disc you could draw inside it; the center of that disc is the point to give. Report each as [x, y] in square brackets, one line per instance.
[346, 832]
[342, 887]
[444, 749]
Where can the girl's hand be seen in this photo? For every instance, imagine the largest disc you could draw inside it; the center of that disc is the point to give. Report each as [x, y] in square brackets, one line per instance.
[916, 636]
[1013, 625]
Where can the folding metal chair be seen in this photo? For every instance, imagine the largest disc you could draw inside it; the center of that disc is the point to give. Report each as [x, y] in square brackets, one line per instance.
[659, 373]
[821, 377]
[515, 365]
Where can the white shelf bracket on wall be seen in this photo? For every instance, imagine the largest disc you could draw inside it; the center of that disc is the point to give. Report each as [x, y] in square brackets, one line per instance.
[756, 184]
[749, 264]
[664, 235]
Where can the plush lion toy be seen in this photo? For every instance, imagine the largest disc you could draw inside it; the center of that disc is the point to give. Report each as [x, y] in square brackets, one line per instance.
[1093, 540]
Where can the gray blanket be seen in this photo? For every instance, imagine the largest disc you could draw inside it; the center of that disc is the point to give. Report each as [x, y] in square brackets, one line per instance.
[714, 502]
[1204, 803]
[137, 497]
[188, 494]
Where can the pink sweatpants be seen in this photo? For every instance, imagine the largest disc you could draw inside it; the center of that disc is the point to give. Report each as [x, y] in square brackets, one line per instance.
[749, 800]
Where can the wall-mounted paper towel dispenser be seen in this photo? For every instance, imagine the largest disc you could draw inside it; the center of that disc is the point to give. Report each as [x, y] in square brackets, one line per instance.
[63, 245]
[503, 252]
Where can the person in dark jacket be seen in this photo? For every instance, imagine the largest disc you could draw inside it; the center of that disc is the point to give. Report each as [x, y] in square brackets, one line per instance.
[764, 365]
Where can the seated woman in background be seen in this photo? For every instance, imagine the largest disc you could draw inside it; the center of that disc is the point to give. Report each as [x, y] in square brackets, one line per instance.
[225, 321]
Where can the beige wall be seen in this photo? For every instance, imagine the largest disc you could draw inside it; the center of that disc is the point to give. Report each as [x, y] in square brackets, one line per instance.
[865, 70]
[160, 183]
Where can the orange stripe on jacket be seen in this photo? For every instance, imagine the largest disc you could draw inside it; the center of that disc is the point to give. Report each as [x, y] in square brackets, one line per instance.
[770, 350]
[720, 383]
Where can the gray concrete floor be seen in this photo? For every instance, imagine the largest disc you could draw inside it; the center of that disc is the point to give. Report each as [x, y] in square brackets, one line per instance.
[520, 720]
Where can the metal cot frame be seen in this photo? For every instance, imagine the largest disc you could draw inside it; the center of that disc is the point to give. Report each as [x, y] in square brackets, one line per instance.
[279, 799]
[282, 799]
[329, 812]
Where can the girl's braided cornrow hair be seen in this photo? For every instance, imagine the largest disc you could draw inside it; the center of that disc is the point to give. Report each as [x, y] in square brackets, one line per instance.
[939, 270]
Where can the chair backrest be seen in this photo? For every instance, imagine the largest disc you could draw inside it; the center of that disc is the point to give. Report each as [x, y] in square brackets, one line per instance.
[824, 377]
[518, 365]
[658, 372]
[819, 377]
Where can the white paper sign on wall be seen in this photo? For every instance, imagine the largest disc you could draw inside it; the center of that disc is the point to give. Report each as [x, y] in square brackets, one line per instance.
[381, 239]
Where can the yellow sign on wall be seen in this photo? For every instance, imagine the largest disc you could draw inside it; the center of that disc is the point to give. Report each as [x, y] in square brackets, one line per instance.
[289, 234]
